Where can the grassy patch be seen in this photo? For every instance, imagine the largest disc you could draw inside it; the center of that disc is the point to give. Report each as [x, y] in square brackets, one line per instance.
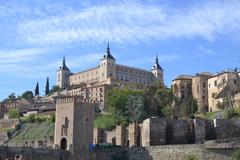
[34, 131]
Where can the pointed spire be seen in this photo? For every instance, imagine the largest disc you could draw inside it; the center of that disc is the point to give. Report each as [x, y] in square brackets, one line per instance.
[156, 65]
[108, 53]
[64, 61]
[64, 66]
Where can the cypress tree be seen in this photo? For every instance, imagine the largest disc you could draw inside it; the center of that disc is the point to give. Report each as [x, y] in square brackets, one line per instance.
[47, 87]
[37, 90]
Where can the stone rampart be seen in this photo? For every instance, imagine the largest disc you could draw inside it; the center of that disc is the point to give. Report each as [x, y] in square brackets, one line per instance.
[33, 154]
[227, 128]
[169, 152]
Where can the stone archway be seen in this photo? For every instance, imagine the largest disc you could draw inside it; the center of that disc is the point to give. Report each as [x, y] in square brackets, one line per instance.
[63, 144]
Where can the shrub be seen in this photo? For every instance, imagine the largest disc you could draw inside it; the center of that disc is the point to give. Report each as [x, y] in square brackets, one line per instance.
[235, 155]
[13, 113]
[31, 118]
[190, 157]
[232, 113]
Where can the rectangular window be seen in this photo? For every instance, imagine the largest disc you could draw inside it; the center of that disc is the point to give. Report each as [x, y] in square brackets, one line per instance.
[204, 84]
[215, 83]
[197, 88]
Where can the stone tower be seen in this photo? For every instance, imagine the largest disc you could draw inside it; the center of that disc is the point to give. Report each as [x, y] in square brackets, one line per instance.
[63, 75]
[107, 66]
[157, 70]
[74, 126]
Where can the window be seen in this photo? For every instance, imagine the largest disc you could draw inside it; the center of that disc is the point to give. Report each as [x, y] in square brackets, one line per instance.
[224, 80]
[215, 83]
[203, 97]
[204, 84]
[209, 85]
[197, 88]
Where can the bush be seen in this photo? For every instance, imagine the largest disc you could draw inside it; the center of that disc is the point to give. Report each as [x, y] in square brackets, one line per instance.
[232, 113]
[235, 155]
[31, 118]
[107, 122]
[53, 118]
[13, 113]
[190, 157]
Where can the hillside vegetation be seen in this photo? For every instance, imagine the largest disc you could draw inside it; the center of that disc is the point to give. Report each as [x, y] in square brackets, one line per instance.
[34, 132]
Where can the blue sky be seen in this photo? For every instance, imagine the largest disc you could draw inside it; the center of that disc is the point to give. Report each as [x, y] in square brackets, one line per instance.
[188, 36]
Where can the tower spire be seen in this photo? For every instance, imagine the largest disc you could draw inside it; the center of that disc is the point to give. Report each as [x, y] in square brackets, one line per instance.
[64, 61]
[64, 66]
[156, 65]
[108, 53]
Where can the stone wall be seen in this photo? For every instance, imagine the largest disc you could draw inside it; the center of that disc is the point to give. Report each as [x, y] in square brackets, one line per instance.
[167, 152]
[33, 154]
[121, 135]
[111, 137]
[179, 131]
[153, 132]
[134, 135]
[227, 128]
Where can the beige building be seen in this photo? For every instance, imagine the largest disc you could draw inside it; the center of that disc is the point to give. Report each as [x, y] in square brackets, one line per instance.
[182, 86]
[95, 82]
[200, 90]
[216, 85]
[74, 126]
[186, 85]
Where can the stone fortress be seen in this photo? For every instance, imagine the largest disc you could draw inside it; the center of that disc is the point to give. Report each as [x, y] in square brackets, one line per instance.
[205, 88]
[94, 83]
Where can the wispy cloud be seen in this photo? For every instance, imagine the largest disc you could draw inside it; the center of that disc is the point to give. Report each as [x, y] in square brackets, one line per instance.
[20, 55]
[163, 58]
[206, 51]
[131, 22]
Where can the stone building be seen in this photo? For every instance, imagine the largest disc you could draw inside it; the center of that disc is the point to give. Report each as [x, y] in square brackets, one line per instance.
[95, 82]
[216, 86]
[182, 86]
[186, 85]
[200, 90]
[74, 125]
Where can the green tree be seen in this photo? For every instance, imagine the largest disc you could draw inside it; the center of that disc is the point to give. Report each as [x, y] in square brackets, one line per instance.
[54, 89]
[31, 118]
[135, 108]
[106, 121]
[47, 87]
[37, 90]
[13, 113]
[27, 95]
[187, 107]
[159, 99]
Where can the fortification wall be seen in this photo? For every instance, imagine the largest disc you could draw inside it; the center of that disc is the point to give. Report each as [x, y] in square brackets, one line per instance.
[33, 154]
[167, 152]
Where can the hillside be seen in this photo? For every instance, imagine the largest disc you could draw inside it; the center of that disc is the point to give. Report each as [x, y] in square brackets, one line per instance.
[38, 131]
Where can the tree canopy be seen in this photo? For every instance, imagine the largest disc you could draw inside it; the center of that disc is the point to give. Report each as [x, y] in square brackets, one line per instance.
[134, 104]
[27, 95]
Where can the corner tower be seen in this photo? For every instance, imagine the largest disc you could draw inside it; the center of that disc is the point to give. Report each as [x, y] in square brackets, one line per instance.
[107, 66]
[157, 70]
[62, 75]
[74, 126]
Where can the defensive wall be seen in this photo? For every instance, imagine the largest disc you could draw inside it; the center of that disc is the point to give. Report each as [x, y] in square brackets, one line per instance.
[33, 154]
[170, 152]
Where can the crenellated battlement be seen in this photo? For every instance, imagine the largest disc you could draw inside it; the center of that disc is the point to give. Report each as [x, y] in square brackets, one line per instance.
[73, 99]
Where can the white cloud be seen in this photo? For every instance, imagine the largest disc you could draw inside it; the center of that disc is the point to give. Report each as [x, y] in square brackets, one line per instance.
[206, 51]
[20, 55]
[132, 22]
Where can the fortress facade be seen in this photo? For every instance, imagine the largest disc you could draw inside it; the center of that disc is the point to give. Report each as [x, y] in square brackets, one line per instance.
[94, 83]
